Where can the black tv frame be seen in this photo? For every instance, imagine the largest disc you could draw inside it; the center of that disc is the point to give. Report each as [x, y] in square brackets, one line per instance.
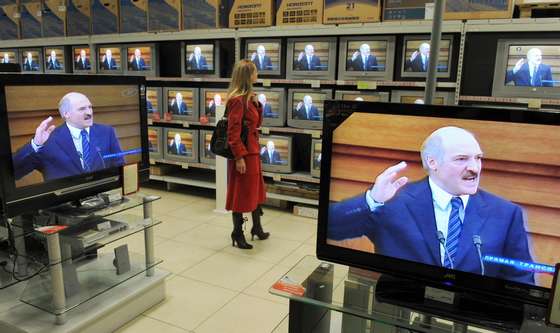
[200, 73]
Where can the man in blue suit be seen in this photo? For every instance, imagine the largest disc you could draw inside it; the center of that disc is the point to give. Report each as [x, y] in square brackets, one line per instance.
[177, 148]
[137, 62]
[29, 64]
[419, 59]
[530, 72]
[306, 110]
[266, 107]
[75, 147]
[363, 60]
[197, 61]
[108, 62]
[178, 106]
[440, 219]
[269, 155]
[52, 62]
[261, 60]
[308, 61]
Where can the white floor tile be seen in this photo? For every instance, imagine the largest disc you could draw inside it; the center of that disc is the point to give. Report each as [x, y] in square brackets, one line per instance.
[143, 324]
[207, 236]
[179, 256]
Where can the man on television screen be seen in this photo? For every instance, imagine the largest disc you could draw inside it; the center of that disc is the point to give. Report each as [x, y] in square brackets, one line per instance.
[149, 106]
[305, 110]
[266, 107]
[440, 219]
[178, 106]
[29, 64]
[307, 60]
[178, 148]
[211, 109]
[363, 60]
[530, 71]
[260, 59]
[108, 62]
[77, 146]
[82, 61]
[196, 60]
[137, 62]
[419, 59]
[52, 62]
[269, 155]
[6, 58]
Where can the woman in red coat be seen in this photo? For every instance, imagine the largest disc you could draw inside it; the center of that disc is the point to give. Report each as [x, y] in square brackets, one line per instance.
[245, 189]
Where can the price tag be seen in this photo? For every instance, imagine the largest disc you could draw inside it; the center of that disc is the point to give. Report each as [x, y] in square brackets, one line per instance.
[16, 15]
[150, 121]
[276, 178]
[340, 82]
[152, 161]
[267, 83]
[39, 13]
[61, 8]
[313, 133]
[265, 130]
[534, 103]
[184, 165]
[197, 79]
[429, 11]
[367, 85]
[185, 124]
[313, 83]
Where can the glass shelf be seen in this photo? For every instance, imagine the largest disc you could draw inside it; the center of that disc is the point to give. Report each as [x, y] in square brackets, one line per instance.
[16, 269]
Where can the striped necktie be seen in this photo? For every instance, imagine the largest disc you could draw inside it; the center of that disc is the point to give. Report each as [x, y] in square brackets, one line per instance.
[85, 150]
[453, 232]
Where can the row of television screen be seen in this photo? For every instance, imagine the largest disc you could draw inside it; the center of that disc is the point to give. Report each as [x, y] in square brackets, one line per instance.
[193, 146]
[300, 108]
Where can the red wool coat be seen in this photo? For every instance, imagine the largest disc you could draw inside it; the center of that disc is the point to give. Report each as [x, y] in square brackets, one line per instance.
[244, 191]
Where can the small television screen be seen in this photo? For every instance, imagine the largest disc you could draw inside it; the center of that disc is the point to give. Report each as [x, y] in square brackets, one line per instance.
[54, 59]
[266, 54]
[181, 145]
[527, 68]
[210, 99]
[206, 155]
[155, 146]
[315, 166]
[181, 103]
[141, 59]
[9, 56]
[109, 59]
[200, 58]
[366, 57]
[31, 60]
[305, 107]
[417, 97]
[312, 58]
[154, 102]
[273, 101]
[81, 56]
[362, 96]
[416, 56]
[276, 153]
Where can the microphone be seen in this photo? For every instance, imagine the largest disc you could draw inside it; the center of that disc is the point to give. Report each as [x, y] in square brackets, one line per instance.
[86, 167]
[98, 150]
[441, 239]
[478, 243]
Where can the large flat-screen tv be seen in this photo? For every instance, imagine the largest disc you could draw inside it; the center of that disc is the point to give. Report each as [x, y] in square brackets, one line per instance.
[82, 59]
[110, 59]
[315, 166]
[155, 142]
[416, 56]
[181, 145]
[206, 155]
[154, 103]
[54, 59]
[201, 58]
[460, 198]
[31, 60]
[417, 97]
[9, 56]
[527, 68]
[141, 59]
[311, 58]
[366, 58]
[266, 54]
[276, 153]
[181, 103]
[362, 96]
[305, 107]
[274, 105]
[71, 139]
[210, 98]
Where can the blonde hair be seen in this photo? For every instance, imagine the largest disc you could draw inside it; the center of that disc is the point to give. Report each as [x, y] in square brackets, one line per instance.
[241, 80]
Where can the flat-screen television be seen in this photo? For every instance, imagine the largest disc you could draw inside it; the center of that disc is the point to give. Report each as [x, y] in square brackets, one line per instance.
[31, 60]
[181, 145]
[273, 101]
[416, 56]
[155, 142]
[141, 59]
[110, 59]
[451, 205]
[54, 59]
[305, 107]
[417, 97]
[154, 102]
[181, 103]
[527, 68]
[366, 58]
[311, 58]
[276, 153]
[362, 96]
[206, 155]
[71, 139]
[209, 99]
[201, 58]
[315, 165]
[266, 54]
[82, 59]
[9, 56]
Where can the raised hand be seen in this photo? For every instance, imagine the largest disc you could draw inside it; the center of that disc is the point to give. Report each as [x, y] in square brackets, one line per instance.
[263, 150]
[518, 65]
[414, 55]
[191, 57]
[253, 56]
[131, 58]
[355, 55]
[211, 103]
[77, 58]
[386, 185]
[301, 54]
[299, 105]
[43, 132]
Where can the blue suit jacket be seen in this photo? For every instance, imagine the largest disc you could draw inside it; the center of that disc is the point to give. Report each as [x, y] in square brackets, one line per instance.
[59, 158]
[371, 63]
[202, 64]
[405, 227]
[109, 66]
[315, 64]
[523, 78]
[141, 66]
[313, 113]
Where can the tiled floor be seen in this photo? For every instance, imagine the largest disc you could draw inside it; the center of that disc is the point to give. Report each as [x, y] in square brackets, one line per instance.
[213, 286]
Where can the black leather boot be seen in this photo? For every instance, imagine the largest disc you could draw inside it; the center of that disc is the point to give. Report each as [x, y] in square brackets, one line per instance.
[257, 229]
[237, 235]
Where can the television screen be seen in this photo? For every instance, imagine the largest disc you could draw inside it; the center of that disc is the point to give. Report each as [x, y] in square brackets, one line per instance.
[306, 107]
[153, 102]
[416, 56]
[311, 58]
[212, 98]
[362, 96]
[366, 57]
[206, 155]
[266, 54]
[199, 58]
[274, 106]
[154, 142]
[417, 97]
[109, 59]
[316, 146]
[449, 196]
[8, 56]
[54, 59]
[139, 58]
[276, 153]
[82, 58]
[31, 60]
[181, 103]
[181, 145]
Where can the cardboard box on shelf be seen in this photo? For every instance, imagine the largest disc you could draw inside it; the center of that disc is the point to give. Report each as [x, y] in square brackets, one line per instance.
[164, 15]
[250, 13]
[339, 11]
[298, 12]
[204, 14]
[78, 18]
[104, 16]
[9, 21]
[31, 20]
[54, 18]
[133, 16]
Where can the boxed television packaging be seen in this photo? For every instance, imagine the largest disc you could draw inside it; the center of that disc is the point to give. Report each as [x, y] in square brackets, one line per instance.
[134, 16]
[341, 11]
[297, 12]
[164, 15]
[250, 13]
[454, 9]
[104, 17]
[54, 18]
[9, 21]
[31, 19]
[78, 18]
[204, 14]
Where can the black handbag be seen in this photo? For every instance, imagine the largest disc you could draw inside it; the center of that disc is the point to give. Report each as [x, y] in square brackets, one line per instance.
[219, 142]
